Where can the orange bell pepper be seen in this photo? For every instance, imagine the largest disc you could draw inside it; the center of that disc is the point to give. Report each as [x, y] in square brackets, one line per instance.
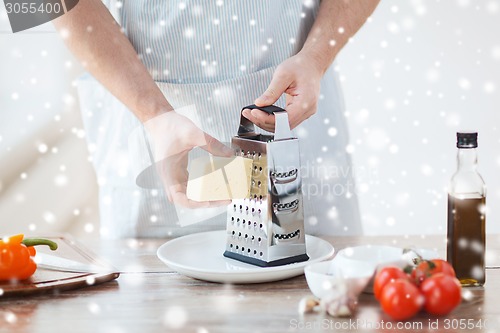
[16, 256]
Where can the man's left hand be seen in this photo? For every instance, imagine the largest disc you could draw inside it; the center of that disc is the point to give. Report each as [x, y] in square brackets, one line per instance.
[299, 78]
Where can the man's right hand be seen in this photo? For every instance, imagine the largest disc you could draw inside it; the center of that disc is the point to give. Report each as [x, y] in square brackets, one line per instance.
[174, 136]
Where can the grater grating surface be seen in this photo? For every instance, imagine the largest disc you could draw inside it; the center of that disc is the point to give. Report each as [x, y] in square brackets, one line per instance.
[267, 227]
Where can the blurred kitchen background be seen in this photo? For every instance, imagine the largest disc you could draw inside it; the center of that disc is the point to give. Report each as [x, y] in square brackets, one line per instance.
[416, 73]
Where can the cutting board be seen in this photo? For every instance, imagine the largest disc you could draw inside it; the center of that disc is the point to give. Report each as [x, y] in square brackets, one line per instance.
[50, 281]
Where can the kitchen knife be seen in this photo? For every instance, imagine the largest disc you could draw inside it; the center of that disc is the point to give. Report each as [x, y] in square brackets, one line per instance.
[55, 263]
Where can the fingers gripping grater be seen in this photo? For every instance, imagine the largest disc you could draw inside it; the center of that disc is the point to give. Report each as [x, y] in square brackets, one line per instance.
[267, 228]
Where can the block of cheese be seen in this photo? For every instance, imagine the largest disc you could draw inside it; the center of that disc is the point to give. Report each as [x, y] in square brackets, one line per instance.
[219, 178]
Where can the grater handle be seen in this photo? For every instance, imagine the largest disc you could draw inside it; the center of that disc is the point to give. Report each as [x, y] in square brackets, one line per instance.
[282, 127]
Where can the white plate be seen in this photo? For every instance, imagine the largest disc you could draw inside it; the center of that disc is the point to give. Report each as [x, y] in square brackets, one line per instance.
[200, 256]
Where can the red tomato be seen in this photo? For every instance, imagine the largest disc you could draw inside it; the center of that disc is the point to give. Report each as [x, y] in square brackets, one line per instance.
[386, 275]
[442, 294]
[401, 299]
[427, 268]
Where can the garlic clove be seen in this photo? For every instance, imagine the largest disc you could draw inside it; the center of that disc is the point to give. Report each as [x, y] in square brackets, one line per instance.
[307, 304]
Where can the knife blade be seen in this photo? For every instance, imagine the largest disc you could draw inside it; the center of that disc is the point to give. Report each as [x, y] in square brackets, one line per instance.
[55, 263]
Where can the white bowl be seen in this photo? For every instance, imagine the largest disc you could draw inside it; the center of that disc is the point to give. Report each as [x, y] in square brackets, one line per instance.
[320, 281]
[378, 256]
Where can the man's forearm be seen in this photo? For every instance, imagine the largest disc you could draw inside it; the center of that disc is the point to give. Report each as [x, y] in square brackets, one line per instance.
[92, 34]
[336, 22]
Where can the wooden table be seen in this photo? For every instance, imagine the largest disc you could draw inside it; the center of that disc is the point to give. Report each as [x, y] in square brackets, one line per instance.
[150, 297]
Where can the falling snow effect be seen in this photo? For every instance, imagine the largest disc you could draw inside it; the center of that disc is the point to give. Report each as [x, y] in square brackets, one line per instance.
[403, 126]
[175, 317]
[406, 97]
[39, 101]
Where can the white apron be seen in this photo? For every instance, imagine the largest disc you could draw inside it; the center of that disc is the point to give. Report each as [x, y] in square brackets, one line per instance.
[219, 56]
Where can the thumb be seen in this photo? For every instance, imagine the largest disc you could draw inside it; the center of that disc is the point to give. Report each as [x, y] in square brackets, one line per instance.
[215, 147]
[276, 88]
[199, 138]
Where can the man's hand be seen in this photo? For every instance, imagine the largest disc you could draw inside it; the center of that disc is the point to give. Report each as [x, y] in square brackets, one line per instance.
[299, 78]
[174, 136]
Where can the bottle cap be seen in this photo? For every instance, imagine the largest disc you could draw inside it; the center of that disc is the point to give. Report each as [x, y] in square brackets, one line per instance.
[466, 139]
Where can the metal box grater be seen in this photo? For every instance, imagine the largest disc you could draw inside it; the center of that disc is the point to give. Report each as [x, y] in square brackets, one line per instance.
[267, 228]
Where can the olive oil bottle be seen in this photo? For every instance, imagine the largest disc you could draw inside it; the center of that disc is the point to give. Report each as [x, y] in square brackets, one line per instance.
[466, 215]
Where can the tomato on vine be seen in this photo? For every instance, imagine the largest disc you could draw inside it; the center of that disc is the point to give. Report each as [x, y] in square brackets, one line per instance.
[442, 294]
[401, 299]
[386, 275]
[431, 285]
[428, 268]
